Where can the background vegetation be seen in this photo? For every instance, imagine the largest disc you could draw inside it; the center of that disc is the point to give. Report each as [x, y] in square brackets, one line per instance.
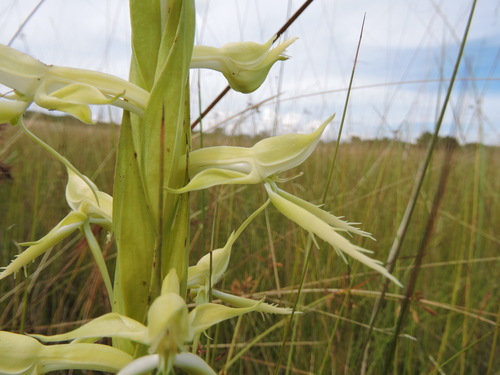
[454, 310]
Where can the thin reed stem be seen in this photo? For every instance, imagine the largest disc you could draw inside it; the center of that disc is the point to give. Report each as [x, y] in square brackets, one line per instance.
[323, 200]
[25, 22]
[494, 347]
[405, 222]
[412, 282]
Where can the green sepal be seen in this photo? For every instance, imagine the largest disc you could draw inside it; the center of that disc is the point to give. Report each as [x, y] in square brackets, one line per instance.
[238, 301]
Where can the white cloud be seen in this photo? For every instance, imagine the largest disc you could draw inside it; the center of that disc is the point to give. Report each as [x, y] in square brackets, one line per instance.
[402, 40]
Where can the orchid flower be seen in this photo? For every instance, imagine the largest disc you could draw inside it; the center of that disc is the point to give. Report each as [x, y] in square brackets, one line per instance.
[262, 163]
[245, 65]
[170, 326]
[68, 90]
[211, 267]
[219, 165]
[88, 206]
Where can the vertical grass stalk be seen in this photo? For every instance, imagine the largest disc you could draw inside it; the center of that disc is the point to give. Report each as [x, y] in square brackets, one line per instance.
[412, 282]
[405, 222]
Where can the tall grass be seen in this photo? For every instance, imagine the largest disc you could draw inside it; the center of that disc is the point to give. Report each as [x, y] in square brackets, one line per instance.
[453, 313]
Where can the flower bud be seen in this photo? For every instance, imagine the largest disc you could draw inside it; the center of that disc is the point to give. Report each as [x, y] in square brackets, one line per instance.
[244, 64]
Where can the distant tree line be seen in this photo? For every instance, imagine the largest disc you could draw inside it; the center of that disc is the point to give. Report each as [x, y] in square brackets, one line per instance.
[422, 141]
[448, 141]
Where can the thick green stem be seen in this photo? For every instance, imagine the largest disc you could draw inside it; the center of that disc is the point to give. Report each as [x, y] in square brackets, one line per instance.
[151, 225]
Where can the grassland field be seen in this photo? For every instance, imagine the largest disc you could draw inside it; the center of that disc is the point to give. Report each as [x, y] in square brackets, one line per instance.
[454, 311]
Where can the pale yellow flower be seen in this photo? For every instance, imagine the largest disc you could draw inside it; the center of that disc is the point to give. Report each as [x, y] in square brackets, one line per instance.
[245, 65]
[263, 163]
[219, 165]
[64, 89]
[170, 327]
[89, 206]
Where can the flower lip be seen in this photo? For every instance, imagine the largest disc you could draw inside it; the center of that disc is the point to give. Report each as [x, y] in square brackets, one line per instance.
[315, 224]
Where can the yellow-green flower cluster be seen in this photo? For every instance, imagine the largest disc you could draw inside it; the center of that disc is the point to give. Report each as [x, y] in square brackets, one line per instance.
[170, 327]
[64, 89]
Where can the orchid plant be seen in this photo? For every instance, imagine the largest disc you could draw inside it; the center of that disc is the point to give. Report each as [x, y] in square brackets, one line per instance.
[151, 324]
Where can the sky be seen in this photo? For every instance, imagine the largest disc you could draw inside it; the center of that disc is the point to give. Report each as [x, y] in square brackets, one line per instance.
[407, 53]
